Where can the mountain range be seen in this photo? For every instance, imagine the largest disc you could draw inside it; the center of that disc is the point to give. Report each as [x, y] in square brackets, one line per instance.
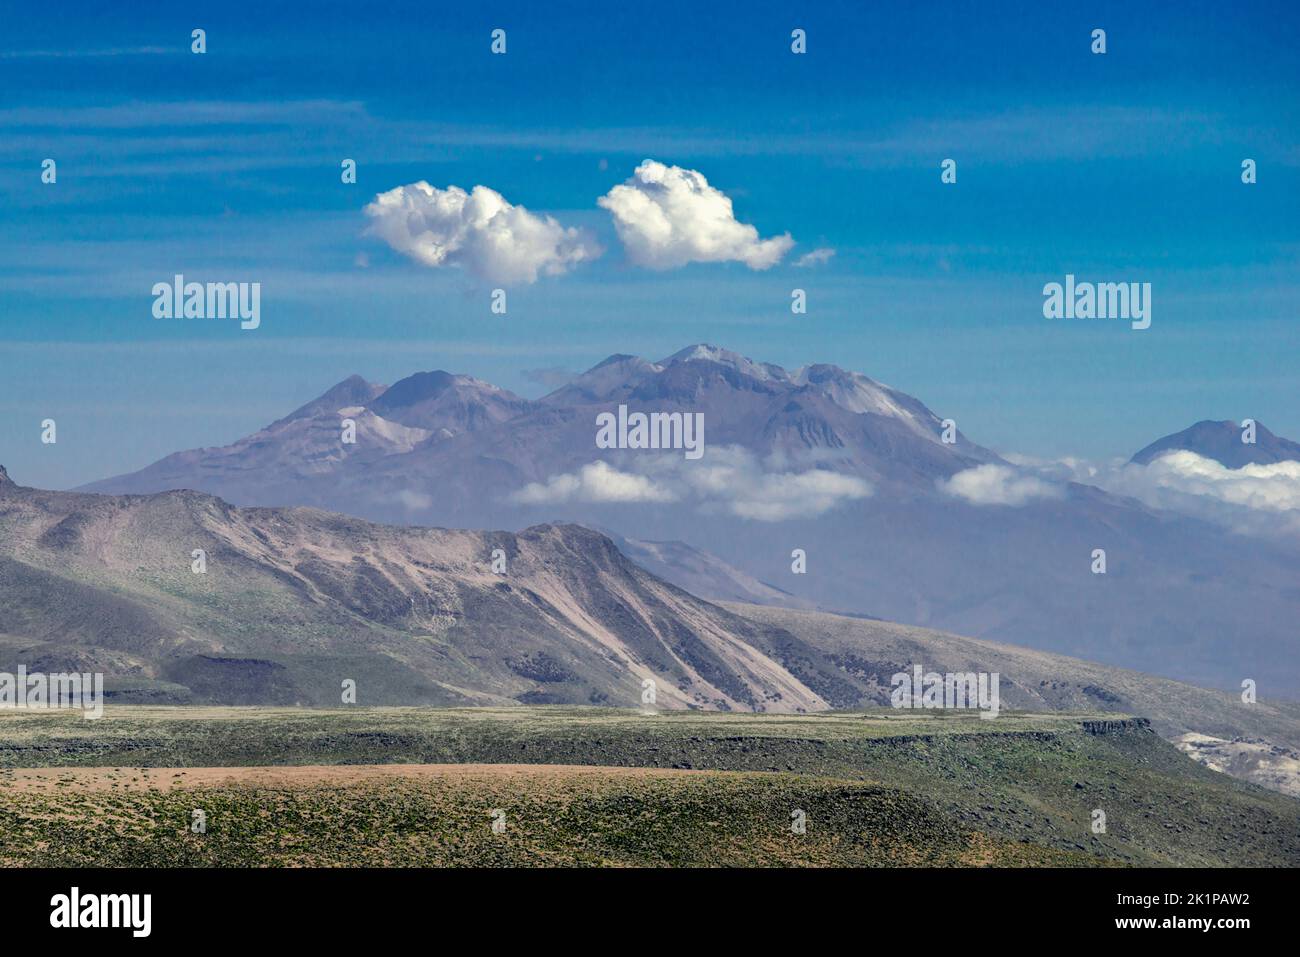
[288, 604]
[897, 514]
[473, 443]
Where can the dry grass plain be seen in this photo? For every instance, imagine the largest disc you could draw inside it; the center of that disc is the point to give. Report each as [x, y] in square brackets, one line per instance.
[287, 787]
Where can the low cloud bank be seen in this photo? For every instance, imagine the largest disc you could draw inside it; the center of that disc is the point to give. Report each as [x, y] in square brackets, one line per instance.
[728, 479]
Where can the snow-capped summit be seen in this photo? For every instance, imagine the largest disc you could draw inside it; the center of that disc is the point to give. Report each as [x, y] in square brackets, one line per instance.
[704, 352]
[861, 394]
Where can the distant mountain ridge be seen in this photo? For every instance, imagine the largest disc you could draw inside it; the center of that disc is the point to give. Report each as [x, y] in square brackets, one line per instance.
[1222, 441]
[815, 407]
[819, 410]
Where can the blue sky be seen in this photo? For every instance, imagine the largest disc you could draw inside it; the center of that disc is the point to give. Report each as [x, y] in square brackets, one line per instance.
[225, 166]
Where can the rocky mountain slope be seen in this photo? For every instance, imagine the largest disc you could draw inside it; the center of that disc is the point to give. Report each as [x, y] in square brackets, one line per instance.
[293, 601]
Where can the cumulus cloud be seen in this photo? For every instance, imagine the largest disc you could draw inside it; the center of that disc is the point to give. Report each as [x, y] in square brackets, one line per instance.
[729, 479]
[776, 496]
[667, 216]
[479, 231]
[733, 479]
[1274, 487]
[998, 485]
[815, 258]
[598, 482]
[1254, 499]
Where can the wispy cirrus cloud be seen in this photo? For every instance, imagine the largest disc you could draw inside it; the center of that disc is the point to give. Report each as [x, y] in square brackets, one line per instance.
[144, 114]
[76, 54]
[816, 257]
[277, 134]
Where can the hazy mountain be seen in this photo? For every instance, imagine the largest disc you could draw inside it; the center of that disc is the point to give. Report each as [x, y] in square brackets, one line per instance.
[352, 391]
[702, 573]
[452, 404]
[816, 414]
[831, 462]
[1222, 442]
[476, 443]
[868, 653]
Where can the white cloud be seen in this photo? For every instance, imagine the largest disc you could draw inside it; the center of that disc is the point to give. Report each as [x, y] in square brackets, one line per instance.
[409, 499]
[1274, 487]
[781, 495]
[1067, 468]
[78, 54]
[998, 485]
[597, 482]
[479, 231]
[727, 478]
[1254, 499]
[732, 478]
[667, 216]
[817, 257]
